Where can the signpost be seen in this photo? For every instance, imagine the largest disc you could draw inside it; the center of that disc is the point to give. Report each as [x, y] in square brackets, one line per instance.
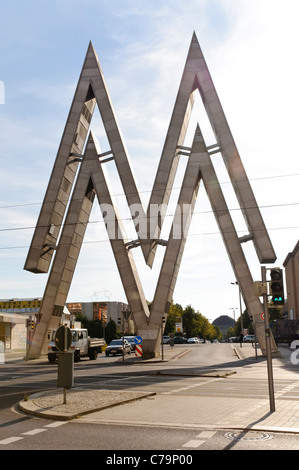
[138, 347]
[265, 314]
[63, 340]
[162, 331]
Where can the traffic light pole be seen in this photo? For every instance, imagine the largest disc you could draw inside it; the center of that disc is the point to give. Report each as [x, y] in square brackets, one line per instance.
[268, 345]
[122, 334]
[163, 321]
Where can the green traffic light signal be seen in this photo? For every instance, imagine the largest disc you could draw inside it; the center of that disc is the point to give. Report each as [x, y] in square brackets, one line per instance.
[276, 286]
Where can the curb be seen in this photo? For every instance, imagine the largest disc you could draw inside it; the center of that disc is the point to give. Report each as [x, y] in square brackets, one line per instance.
[212, 373]
[139, 360]
[29, 407]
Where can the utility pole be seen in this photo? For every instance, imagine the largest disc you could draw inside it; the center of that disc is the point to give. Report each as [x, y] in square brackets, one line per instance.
[268, 344]
[122, 334]
[162, 331]
[240, 302]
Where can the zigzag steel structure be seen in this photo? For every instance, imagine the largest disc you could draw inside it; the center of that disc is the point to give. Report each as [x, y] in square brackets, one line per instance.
[92, 179]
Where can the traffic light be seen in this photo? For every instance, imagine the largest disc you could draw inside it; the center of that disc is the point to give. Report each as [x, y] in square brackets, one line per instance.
[30, 324]
[276, 286]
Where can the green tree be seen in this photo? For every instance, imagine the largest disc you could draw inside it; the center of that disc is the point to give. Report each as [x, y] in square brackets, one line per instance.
[83, 319]
[230, 332]
[191, 322]
[217, 333]
[246, 324]
[111, 331]
[205, 327]
[275, 313]
[175, 311]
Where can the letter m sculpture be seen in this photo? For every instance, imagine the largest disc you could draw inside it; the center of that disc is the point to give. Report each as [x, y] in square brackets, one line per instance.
[80, 163]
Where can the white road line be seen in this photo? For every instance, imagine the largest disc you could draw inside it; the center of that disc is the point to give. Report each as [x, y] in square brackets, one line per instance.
[33, 432]
[193, 443]
[9, 440]
[190, 386]
[55, 424]
[203, 435]
[206, 434]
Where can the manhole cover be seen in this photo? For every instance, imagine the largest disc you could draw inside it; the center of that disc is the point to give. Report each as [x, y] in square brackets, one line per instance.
[248, 436]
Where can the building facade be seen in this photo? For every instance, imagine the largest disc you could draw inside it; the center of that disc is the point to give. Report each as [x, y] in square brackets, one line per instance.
[291, 265]
[18, 318]
[15, 315]
[104, 311]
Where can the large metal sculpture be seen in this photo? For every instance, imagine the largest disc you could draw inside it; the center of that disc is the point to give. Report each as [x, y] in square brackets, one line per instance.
[90, 171]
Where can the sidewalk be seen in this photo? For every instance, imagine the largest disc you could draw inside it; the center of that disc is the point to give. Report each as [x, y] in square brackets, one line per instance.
[141, 408]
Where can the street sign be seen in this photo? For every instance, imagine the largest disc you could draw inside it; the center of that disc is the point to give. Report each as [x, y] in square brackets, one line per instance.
[138, 350]
[263, 316]
[138, 340]
[63, 338]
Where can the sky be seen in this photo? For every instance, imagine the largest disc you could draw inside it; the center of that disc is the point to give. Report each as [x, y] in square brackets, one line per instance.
[251, 48]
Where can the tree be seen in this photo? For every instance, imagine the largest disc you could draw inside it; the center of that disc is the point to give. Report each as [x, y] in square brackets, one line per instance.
[95, 328]
[191, 322]
[111, 331]
[83, 319]
[275, 313]
[246, 324]
[218, 333]
[175, 310]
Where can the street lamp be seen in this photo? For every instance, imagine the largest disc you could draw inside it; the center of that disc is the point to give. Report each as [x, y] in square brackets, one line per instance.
[240, 300]
[233, 309]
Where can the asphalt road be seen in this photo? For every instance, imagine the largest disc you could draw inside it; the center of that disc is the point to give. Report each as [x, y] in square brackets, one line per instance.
[21, 432]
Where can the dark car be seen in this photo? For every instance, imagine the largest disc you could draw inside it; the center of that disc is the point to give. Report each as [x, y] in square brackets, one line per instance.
[118, 346]
[179, 340]
[234, 339]
[131, 341]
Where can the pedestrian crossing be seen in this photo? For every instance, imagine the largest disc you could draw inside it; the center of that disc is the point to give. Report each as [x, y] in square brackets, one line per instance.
[199, 439]
[231, 386]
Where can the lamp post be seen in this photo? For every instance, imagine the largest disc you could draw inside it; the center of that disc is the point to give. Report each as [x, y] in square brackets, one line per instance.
[240, 301]
[233, 309]
[163, 322]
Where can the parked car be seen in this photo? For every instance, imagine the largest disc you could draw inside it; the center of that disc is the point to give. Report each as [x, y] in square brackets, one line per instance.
[249, 339]
[193, 340]
[131, 341]
[117, 346]
[234, 339]
[166, 339]
[179, 340]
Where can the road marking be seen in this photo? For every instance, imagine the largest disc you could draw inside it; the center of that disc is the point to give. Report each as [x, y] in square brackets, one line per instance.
[206, 382]
[286, 389]
[206, 434]
[33, 432]
[9, 440]
[203, 435]
[193, 443]
[55, 424]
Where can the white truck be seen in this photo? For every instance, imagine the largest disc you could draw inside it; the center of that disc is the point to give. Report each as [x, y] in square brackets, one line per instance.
[82, 346]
